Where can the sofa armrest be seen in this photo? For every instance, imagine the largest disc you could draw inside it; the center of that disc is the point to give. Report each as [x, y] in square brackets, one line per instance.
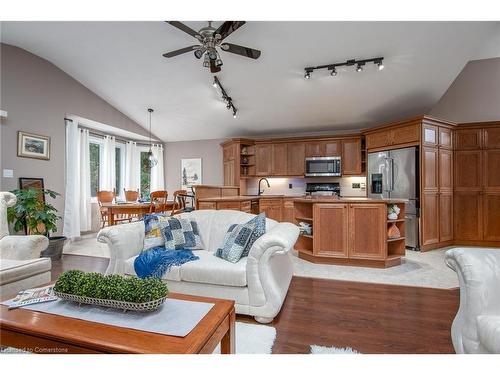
[124, 241]
[279, 239]
[22, 247]
[478, 273]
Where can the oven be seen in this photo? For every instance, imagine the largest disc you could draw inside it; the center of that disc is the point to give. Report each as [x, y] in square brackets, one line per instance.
[323, 166]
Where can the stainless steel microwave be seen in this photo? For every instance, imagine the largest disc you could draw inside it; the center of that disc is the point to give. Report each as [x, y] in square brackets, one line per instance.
[323, 166]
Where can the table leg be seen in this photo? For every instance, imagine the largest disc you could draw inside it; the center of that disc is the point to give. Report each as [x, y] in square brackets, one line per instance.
[111, 217]
[227, 345]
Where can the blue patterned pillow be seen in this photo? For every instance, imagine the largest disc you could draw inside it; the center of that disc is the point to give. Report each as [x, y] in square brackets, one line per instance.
[154, 224]
[240, 238]
[182, 234]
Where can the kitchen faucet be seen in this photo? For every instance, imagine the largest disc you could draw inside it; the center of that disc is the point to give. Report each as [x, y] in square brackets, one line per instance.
[263, 179]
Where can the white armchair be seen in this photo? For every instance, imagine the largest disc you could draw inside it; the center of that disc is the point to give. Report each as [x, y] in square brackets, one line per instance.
[476, 327]
[258, 283]
[20, 264]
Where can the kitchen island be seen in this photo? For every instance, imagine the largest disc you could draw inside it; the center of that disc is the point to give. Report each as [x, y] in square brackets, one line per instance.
[350, 231]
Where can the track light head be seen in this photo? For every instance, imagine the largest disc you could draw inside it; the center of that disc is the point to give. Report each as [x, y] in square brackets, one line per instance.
[380, 65]
[234, 113]
[359, 68]
[333, 73]
[307, 74]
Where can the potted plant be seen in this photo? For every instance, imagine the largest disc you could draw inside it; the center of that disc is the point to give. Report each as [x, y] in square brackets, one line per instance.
[33, 215]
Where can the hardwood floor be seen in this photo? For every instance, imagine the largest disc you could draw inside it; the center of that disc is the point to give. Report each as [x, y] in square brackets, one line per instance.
[371, 318]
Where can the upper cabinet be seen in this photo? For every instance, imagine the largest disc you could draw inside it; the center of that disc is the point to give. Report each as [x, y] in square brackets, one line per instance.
[296, 159]
[280, 159]
[468, 139]
[323, 148]
[393, 136]
[351, 156]
[263, 159]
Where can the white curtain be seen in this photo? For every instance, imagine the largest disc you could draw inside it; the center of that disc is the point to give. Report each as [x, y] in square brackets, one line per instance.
[157, 178]
[77, 216]
[132, 167]
[108, 166]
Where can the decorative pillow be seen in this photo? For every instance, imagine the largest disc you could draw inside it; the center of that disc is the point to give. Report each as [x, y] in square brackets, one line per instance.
[240, 238]
[259, 230]
[181, 234]
[154, 224]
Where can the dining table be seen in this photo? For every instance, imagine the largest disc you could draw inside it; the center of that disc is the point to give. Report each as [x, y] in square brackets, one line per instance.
[134, 208]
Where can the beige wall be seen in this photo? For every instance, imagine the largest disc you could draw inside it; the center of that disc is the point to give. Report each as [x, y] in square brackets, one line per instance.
[209, 151]
[37, 96]
[474, 96]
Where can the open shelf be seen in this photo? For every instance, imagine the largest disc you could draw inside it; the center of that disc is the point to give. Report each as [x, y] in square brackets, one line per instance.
[307, 235]
[395, 239]
[299, 218]
[396, 221]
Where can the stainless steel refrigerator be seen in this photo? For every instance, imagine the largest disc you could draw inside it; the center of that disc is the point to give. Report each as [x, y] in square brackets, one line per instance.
[394, 174]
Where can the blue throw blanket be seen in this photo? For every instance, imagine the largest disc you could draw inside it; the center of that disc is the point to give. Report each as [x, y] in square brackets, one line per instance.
[156, 262]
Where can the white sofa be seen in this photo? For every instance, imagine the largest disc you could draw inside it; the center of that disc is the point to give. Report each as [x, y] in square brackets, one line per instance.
[476, 327]
[258, 283]
[20, 264]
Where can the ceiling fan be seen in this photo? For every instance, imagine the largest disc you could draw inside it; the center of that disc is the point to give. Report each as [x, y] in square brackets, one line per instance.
[210, 38]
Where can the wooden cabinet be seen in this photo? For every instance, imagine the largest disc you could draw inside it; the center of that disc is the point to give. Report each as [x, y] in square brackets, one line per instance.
[263, 159]
[491, 169]
[467, 207]
[279, 159]
[332, 148]
[288, 214]
[313, 149]
[430, 218]
[272, 207]
[430, 168]
[468, 166]
[491, 137]
[491, 216]
[351, 156]
[429, 135]
[445, 216]
[445, 174]
[333, 239]
[405, 134]
[368, 232]
[445, 138]
[468, 139]
[379, 139]
[230, 168]
[393, 136]
[296, 159]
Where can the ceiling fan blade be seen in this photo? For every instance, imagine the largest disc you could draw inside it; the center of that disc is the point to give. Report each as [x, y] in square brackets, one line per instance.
[181, 51]
[227, 28]
[240, 50]
[185, 28]
[213, 67]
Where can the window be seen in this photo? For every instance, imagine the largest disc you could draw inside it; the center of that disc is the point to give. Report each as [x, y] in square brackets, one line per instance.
[96, 149]
[95, 158]
[145, 176]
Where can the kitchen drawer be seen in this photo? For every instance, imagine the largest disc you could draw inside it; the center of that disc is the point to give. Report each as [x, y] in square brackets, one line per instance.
[228, 206]
[245, 207]
[271, 202]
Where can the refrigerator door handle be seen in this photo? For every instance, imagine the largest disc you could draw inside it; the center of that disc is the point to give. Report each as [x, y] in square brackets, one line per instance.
[391, 160]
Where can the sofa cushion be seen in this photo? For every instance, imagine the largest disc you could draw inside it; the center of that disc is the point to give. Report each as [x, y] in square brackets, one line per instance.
[153, 230]
[173, 273]
[235, 242]
[212, 270]
[259, 229]
[182, 234]
[13, 270]
[489, 332]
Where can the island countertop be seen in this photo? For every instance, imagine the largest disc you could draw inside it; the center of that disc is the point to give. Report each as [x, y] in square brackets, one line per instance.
[243, 198]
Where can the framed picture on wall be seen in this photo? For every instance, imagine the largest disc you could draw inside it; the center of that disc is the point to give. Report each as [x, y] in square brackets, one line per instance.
[28, 183]
[33, 146]
[191, 173]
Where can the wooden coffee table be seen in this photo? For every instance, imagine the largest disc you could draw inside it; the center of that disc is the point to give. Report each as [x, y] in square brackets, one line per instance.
[47, 333]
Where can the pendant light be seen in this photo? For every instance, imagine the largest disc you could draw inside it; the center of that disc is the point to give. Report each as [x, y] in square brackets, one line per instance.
[151, 159]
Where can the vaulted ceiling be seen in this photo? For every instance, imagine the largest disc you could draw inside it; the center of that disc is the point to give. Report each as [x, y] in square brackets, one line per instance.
[122, 62]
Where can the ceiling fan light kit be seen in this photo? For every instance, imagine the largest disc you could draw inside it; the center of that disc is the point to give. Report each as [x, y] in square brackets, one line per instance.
[210, 39]
[378, 61]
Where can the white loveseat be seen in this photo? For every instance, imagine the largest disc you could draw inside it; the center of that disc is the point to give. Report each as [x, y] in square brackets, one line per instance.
[258, 283]
[20, 264]
[476, 327]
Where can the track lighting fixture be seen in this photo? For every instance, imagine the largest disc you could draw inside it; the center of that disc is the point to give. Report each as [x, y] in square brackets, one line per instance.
[225, 98]
[352, 62]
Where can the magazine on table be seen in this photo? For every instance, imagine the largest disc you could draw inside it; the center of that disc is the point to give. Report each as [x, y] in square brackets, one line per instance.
[32, 296]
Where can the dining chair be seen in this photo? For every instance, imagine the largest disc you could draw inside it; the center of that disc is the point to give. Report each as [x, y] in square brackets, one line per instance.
[180, 204]
[158, 201]
[104, 196]
[132, 196]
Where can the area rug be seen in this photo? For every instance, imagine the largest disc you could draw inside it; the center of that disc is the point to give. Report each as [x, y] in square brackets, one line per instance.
[317, 349]
[253, 339]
